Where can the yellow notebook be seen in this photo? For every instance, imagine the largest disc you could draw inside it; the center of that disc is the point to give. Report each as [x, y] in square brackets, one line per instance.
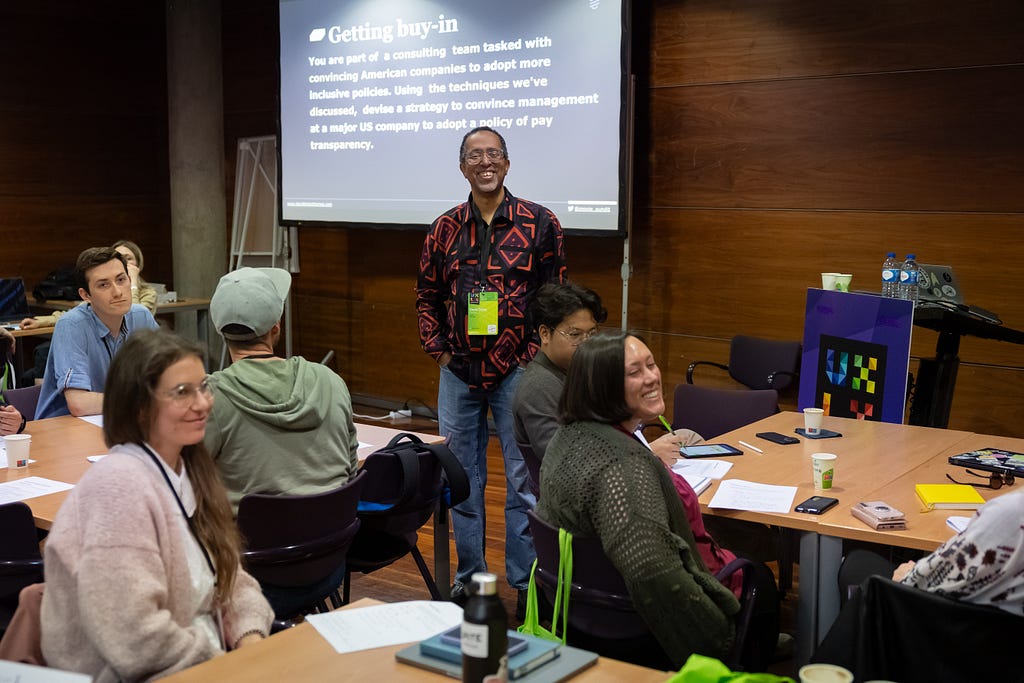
[949, 496]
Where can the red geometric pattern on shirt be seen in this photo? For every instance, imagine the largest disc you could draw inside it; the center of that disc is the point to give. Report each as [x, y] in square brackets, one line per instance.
[526, 250]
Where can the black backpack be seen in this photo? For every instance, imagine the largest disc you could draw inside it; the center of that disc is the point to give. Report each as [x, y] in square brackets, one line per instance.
[59, 284]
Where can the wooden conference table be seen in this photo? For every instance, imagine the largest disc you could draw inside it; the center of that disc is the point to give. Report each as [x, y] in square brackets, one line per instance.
[877, 461]
[60, 446]
[301, 654]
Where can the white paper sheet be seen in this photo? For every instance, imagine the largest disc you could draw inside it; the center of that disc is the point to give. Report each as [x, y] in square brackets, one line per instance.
[365, 628]
[93, 419]
[957, 522]
[30, 487]
[736, 494]
[702, 467]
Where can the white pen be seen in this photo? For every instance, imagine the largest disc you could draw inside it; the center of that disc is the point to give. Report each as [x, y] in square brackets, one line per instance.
[753, 448]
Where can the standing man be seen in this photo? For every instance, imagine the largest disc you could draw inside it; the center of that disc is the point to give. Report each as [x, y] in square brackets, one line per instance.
[86, 338]
[482, 261]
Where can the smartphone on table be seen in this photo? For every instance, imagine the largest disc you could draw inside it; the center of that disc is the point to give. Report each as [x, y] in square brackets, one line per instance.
[708, 450]
[775, 437]
[815, 505]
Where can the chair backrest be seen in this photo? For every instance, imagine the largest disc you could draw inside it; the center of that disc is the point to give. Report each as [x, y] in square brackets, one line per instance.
[532, 467]
[21, 563]
[764, 363]
[599, 604]
[24, 400]
[299, 540]
[902, 633]
[712, 412]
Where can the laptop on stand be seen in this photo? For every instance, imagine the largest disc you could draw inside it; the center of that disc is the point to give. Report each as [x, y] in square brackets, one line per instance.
[938, 286]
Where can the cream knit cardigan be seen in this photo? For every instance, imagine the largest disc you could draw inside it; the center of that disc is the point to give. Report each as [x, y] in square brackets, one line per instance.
[118, 603]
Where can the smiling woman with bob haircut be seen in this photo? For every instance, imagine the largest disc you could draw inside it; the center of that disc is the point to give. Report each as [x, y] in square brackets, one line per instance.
[142, 564]
[599, 480]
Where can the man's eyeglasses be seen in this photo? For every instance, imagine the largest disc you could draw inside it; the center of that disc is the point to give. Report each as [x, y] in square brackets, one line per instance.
[477, 155]
[995, 479]
[577, 337]
[185, 394]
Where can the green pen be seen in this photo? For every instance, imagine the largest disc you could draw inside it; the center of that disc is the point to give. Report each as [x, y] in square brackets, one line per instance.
[666, 425]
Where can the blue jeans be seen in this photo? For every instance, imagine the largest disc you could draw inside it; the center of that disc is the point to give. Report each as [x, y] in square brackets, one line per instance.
[462, 418]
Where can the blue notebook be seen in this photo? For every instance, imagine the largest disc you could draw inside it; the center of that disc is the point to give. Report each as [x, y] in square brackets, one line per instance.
[542, 660]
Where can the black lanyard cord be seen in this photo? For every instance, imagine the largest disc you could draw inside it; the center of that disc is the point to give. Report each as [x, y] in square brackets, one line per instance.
[181, 506]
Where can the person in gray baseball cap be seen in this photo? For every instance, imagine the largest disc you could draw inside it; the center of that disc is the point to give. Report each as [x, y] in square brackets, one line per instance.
[279, 426]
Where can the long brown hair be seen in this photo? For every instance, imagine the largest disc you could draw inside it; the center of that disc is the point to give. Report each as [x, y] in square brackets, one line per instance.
[128, 407]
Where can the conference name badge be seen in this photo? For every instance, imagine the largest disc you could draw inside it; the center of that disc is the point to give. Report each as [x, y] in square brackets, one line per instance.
[483, 313]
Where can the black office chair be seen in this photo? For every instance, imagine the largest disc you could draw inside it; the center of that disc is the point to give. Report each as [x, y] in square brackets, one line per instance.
[21, 563]
[25, 400]
[712, 412]
[601, 613]
[758, 363]
[902, 633]
[296, 545]
[407, 481]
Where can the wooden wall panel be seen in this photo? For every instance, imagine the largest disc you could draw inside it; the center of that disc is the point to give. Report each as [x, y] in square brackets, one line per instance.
[895, 142]
[717, 273]
[719, 41]
[83, 119]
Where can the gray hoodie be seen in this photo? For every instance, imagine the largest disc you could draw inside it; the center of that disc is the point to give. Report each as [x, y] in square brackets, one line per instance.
[281, 427]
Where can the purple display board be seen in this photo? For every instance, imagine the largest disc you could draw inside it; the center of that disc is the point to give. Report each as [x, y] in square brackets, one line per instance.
[856, 355]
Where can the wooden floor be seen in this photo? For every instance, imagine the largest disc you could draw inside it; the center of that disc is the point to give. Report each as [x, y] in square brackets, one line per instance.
[402, 581]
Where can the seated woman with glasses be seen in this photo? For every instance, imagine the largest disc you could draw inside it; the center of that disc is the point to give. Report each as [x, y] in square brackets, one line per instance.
[142, 564]
[599, 480]
[983, 564]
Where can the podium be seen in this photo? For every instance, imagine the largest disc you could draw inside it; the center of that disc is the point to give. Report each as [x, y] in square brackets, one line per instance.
[936, 377]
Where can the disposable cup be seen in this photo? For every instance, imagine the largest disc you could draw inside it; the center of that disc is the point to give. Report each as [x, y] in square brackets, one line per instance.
[825, 673]
[823, 468]
[828, 280]
[17, 449]
[812, 421]
[843, 282]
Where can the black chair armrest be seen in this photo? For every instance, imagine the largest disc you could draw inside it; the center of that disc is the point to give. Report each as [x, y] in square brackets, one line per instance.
[694, 364]
[781, 373]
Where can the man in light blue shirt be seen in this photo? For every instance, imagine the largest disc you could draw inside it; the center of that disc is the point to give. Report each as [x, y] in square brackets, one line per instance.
[86, 338]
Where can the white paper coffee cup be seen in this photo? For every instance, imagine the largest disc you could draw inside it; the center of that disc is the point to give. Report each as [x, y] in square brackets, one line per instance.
[823, 470]
[17, 449]
[812, 420]
[828, 280]
[825, 673]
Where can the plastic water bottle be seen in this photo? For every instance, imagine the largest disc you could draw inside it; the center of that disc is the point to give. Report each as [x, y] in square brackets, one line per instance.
[908, 279]
[891, 276]
[484, 632]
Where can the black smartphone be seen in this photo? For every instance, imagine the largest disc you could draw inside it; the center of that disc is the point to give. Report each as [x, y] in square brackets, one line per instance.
[708, 450]
[775, 437]
[815, 505]
[453, 638]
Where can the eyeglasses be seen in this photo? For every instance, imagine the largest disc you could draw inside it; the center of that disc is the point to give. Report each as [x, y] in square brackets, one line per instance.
[477, 155]
[185, 394]
[995, 480]
[577, 337]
